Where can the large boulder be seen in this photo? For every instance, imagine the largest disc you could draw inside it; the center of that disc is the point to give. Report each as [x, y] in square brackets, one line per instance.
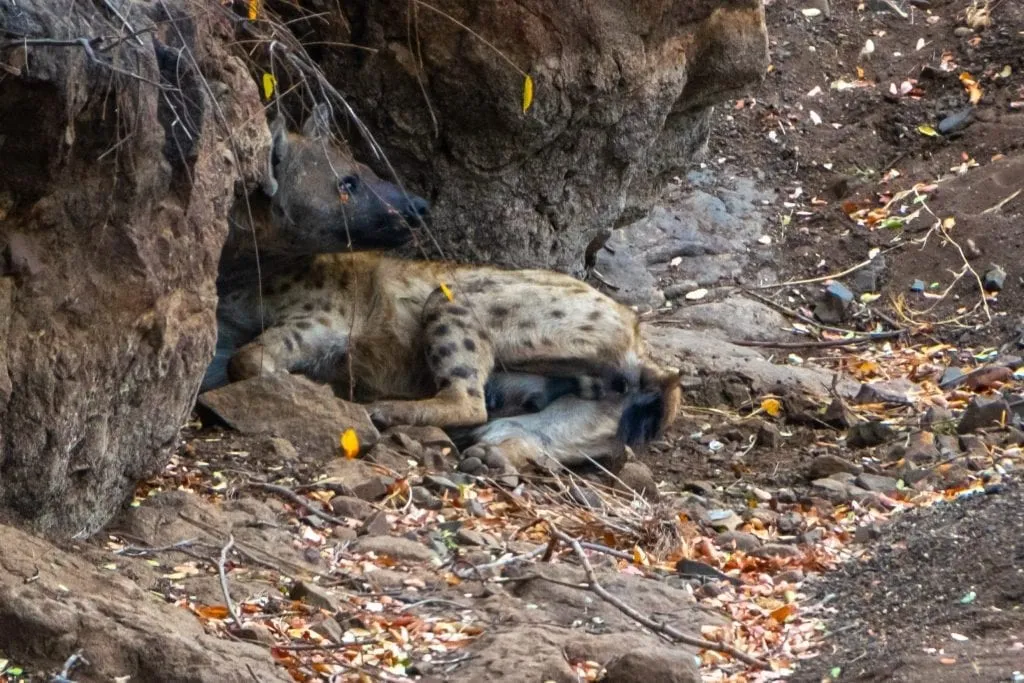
[622, 97]
[118, 177]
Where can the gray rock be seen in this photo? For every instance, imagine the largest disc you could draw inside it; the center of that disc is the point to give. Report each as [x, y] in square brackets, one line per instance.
[356, 478]
[636, 476]
[828, 464]
[724, 519]
[315, 595]
[470, 465]
[422, 497]
[307, 414]
[376, 524]
[838, 415]
[867, 434]
[983, 412]
[737, 540]
[921, 448]
[877, 483]
[951, 377]
[439, 484]
[777, 550]
[654, 664]
[768, 436]
[994, 279]
[896, 392]
[937, 417]
[348, 506]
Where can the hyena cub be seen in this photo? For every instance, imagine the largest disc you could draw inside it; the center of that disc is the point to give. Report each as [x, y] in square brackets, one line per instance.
[555, 365]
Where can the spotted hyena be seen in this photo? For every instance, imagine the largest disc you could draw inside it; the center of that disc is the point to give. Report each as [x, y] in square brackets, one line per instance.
[529, 364]
[315, 199]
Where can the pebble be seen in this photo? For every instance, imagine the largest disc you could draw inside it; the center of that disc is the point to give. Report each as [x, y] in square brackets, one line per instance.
[737, 540]
[878, 483]
[921, 448]
[828, 464]
[776, 550]
[994, 279]
[867, 434]
[724, 519]
[983, 412]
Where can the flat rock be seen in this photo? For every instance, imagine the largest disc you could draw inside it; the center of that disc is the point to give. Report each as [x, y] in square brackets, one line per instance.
[348, 506]
[724, 519]
[777, 550]
[983, 412]
[653, 665]
[356, 478]
[120, 627]
[315, 595]
[877, 483]
[426, 436]
[737, 540]
[396, 547]
[305, 413]
[827, 464]
[896, 392]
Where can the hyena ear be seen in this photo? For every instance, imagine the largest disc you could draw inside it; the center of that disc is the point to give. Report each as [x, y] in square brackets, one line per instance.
[278, 149]
[318, 125]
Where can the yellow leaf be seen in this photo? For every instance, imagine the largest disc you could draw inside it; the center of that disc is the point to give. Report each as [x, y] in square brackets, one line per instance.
[269, 84]
[974, 92]
[350, 443]
[527, 93]
[949, 222]
[772, 406]
[860, 73]
[447, 292]
[640, 557]
[254, 9]
[925, 129]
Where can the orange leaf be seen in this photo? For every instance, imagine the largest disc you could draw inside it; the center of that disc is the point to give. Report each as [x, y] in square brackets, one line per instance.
[254, 10]
[350, 443]
[212, 611]
[783, 613]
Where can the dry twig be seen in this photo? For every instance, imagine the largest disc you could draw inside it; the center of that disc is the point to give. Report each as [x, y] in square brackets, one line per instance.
[222, 571]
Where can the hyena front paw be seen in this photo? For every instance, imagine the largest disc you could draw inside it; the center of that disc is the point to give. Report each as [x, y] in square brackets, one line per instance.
[386, 414]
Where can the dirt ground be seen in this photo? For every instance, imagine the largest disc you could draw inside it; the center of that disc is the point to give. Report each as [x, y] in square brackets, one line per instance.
[892, 616]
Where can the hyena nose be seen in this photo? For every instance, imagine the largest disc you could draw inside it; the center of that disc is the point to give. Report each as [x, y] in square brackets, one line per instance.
[417, 208]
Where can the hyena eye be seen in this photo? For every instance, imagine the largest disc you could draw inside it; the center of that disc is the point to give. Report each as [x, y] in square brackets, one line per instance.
[349, 183]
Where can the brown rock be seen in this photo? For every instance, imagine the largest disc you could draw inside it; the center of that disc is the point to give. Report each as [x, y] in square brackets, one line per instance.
[921, 448]
[658, 108]
[827, 464]
[653, 665]
[376, 524]
[355, 478]
[636, 476]
[396, 547]
[428, 437]
[737, 540]
[304, 412]
[777, 550]
[348, 506]
[315, 595]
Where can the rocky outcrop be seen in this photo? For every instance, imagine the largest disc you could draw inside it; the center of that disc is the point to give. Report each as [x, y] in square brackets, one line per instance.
[118, 177]
[622, 95]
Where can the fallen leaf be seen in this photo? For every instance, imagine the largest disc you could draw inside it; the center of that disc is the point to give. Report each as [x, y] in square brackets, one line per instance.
[350, 443]
[447, 292]
[269, 85]
[925, 129]
[254, 10]
[772, 406]
[527, 93]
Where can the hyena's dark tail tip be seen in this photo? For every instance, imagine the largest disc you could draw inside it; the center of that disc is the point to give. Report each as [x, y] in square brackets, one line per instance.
[647, 414]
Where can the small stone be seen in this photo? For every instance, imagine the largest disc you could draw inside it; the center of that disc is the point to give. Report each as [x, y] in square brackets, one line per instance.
[422, 497]
[895, 392]
[737, 540]
[404, 443]
[867, 434]
[1011, 361]
[838, 415]
[921, 448]
[951, 377]
[963, 31]
[470, 465]
[473, 537]
[768, 436]
[395, 547]
[839, 291]
[834, 304]
[724, 519]
[790, 523]
[439, 484]
[877, 483]
[376, 524]
[475, 508]
[786, 496]
[828, 464]
[958, 119]
[314, 595]
[956, 476]
[790, 576]
[386, 457]
[918, 477]
[766, 516]
[917, 286]
[866, 533]
[983, 412]
[936, 417]
[994, 279]
[427, 437]
[636, 476]
[701, 488]
[329, 628]
[948, 444]
[836, 490]
[776, 550]
[812, 537]
[349, 506]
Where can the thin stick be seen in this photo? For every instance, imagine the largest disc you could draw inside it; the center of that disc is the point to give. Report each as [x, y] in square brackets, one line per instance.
[656, 626]
[224, 579]
[1002, 203]
[285, 492]
[863, 339]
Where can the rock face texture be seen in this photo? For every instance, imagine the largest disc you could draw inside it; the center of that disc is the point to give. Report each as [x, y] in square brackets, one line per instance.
[622, 96]
[116, 185]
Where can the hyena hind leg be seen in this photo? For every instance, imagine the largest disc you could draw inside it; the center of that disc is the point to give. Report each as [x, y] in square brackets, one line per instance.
[460, 357]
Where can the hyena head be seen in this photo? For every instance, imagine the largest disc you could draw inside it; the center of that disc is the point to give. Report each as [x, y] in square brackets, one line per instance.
[323, 200]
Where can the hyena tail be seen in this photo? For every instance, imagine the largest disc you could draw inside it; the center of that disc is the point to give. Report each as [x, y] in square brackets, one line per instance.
[650, 406]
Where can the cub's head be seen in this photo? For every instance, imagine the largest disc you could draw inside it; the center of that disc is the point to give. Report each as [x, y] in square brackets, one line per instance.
[323, 200]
